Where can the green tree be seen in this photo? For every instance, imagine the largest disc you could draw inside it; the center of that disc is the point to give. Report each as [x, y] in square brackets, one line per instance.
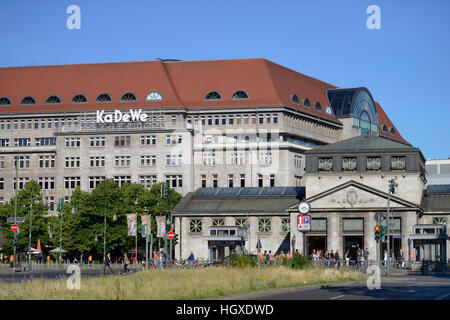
[29, 201]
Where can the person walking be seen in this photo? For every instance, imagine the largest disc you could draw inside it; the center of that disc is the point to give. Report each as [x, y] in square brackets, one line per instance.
[366, 258]
[288, 255]
[126, 262]
[347, 257]
[337, 258]
[90, 259]
[155, 259]
[191, 258]
[327, 258]
[358, 257]
[332, 260]
[107, 263]
[401, 258]
[11, 260]
[385, 257]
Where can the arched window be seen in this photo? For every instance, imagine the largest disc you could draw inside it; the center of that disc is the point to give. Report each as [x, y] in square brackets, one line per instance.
[392, 131]
[128, 97]
[53, 100]
[154, 96]
[294, 98]
[239, 95]
[79, 98]
[103, 97]
[306, 103]
[213, 95]
[28, 100]
[318, 107]
[5, 101]
[384, 128]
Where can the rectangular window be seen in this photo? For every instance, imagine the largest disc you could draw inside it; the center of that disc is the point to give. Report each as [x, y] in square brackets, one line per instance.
[122, 161]
[373, 163]
[272, 180]
[22, 142]
[325, 164]
[46, 161]
[349, 164]
[51, 141]
[72, 142]
[398, 163]
[230, 120]
[22, 182]
[285, 224]
[209, 120]
[94, 181]
[275, 118]
[71, 182]
[24, 162]
[195, 225]
[97, 141]
[209, 159]
[174, 160]
[356, 224]
[122, 141]
[72, 162]
[265, 158]
[2, 162]
[174, 181]
[216, 120]
[148, 140]
[245, 118]
[319, 225]
[238, 119]
[224, 120]
[2, 184]
[237, 159]
[121, 180]
[36, 124]
[260, 180]
[261, 119]
[214, 180]
[203, 180]
[97, 161]
[42, 123]
[267, 118]
[4, 142]
[230, 181]
[148, 160]
[264, 225]
[46, 183]
[148, 181]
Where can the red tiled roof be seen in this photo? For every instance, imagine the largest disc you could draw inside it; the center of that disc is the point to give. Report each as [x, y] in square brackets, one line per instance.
[384, 120]
[183, 84]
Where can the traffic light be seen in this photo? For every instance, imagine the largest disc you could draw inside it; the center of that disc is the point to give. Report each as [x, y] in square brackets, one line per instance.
[383, 233]
[15, 242]
[175, 239]
[377, 233]
[141, 230]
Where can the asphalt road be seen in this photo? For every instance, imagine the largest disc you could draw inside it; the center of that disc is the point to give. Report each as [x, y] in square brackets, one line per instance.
[404, 287]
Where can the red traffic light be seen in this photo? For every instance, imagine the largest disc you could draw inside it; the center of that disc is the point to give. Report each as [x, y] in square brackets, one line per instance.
[377, 228]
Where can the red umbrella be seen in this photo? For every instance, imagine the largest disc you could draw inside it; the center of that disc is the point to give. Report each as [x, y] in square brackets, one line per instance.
[39, 245]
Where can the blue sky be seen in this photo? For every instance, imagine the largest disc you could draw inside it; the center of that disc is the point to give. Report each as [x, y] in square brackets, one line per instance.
[405, 64]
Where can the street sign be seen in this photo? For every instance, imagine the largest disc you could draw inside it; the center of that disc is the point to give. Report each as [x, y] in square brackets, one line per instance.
[303, 223]
[398, 236]
[15, 220]
[14, 227]
[171, 235]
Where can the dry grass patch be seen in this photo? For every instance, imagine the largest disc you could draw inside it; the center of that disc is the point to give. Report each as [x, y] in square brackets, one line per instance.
[177, 284]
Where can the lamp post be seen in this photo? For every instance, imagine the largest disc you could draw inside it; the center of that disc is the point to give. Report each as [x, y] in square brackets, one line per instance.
[114, 219]
[392, 186]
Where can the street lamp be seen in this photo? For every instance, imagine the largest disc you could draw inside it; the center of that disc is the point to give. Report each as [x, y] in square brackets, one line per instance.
[392, 185]
[114, 219]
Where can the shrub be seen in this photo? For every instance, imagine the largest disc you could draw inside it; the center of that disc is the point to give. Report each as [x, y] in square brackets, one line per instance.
[296, 262]
[242, 260]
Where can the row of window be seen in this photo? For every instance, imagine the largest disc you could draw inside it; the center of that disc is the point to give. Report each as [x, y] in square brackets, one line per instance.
[307, 104]
[231, 180]
[234, 119]
[264, 225]
[48, 183]
[121, 141]
[26, 142]
[372, 163]
[237, 159]
[126, 97]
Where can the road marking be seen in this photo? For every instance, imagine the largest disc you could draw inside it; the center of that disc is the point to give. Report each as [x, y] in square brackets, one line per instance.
[442, 297]
[342, 295]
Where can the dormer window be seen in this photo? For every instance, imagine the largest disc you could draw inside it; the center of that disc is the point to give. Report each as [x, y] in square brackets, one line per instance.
[103, 97]
[53, 100]
[349, 164]
[373, 163]
[154, 96]
[5, 101]
[325, 164]
[392, 131]
[294, 99]
[239, 95]
[328, 110]
[213, 95]
[317, 107]
[384, 128]
[28, 100]
[79, 98]
[128, 97]
[398, 163]
[306, 103]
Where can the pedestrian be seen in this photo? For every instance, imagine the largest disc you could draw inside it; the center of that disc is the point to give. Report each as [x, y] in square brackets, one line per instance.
[385, 257]
[366, 257]
[296, 253]
[401, 258]
[155, 259]
[90, 260]
[107, 263]
[347, 257]
[265, 256]
[332, 261]
[327, 258]
[161, 259]
[11, 261]
[288, 255]
[282, 256]
[337, 258]
[126, 262]
[358, 257]
[270, 256]
[191, 257]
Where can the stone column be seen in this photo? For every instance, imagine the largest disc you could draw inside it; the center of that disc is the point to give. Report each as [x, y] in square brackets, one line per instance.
[334, 233]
